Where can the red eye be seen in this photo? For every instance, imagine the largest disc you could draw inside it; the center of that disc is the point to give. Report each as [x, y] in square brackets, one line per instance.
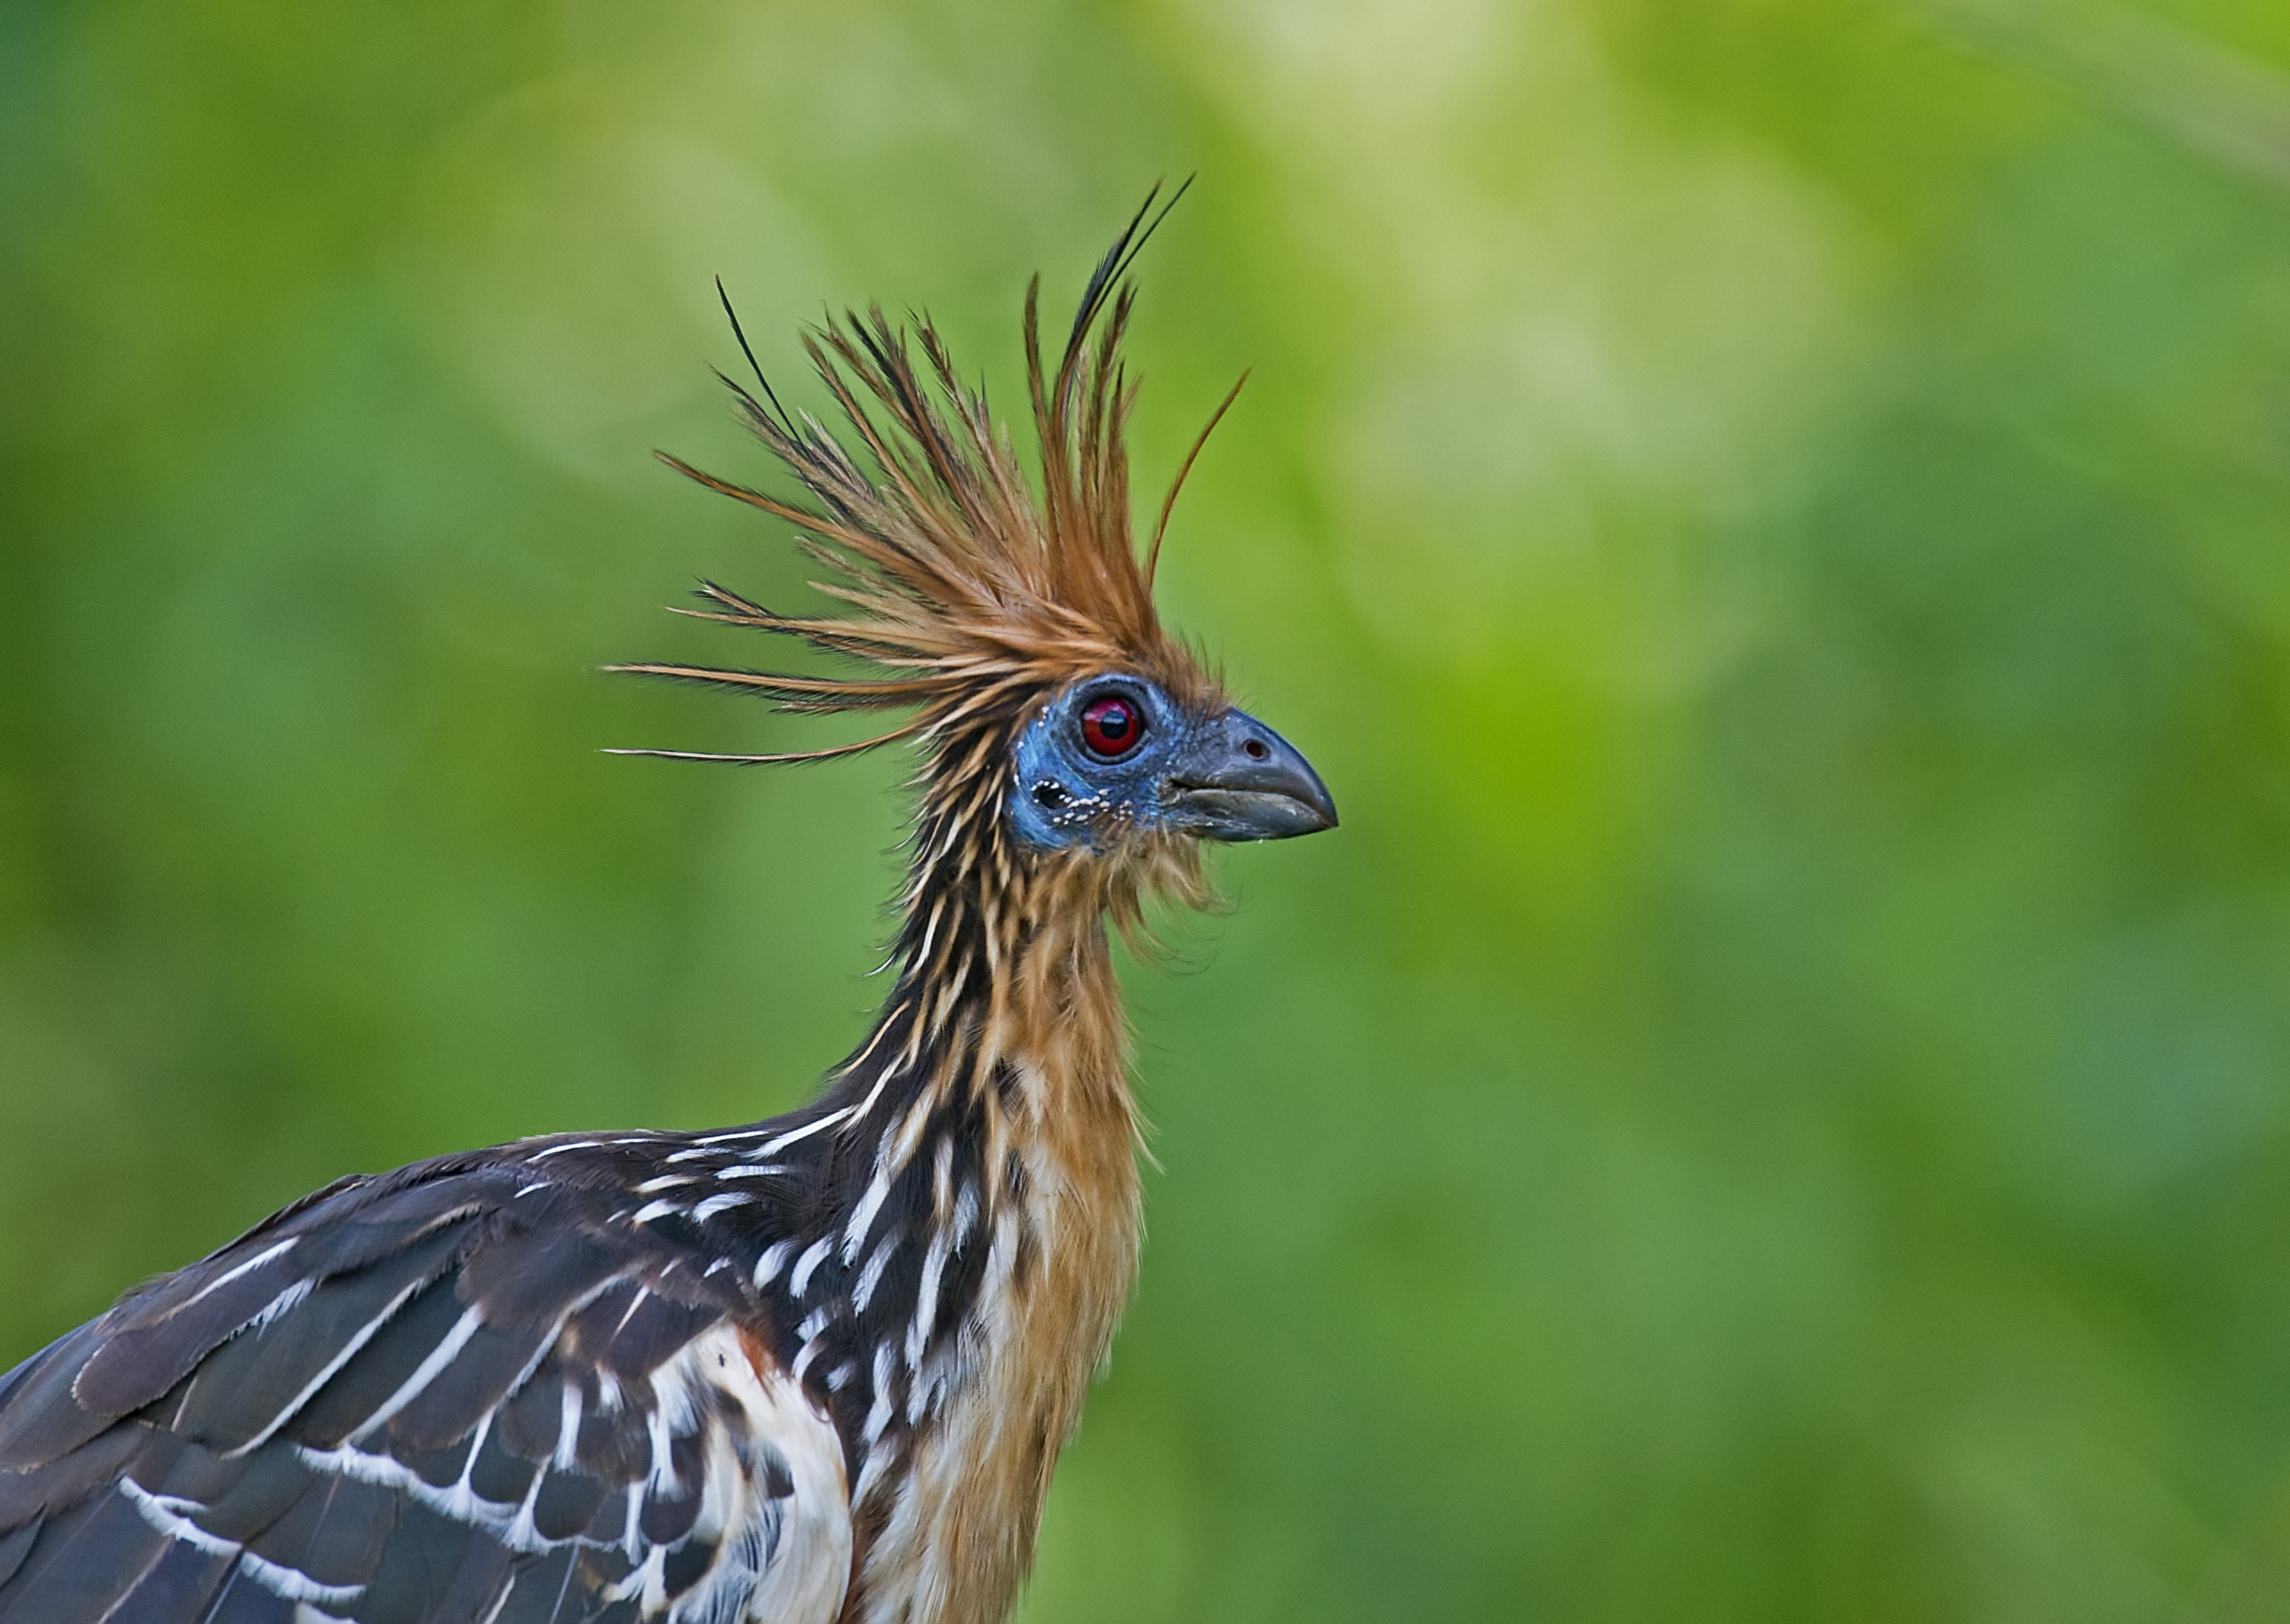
[1111, 726]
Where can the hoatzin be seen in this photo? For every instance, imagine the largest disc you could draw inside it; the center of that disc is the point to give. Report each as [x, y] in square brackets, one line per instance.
[815, 1368]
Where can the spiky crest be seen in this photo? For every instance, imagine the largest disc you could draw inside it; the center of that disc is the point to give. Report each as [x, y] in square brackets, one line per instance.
[972, 593]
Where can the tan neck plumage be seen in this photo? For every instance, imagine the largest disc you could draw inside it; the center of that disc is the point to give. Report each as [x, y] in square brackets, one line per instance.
[1064, 1227]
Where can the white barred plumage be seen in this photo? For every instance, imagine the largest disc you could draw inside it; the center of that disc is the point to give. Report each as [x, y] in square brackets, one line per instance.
[810, 1370]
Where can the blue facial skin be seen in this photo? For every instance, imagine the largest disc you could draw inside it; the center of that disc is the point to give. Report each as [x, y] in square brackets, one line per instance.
[1226, 777]
[1063, 788]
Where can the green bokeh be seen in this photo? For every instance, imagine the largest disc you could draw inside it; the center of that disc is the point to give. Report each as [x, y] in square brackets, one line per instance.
[1773, 516]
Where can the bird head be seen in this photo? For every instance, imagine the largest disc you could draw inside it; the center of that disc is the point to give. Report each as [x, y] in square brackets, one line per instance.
[1065, 730]
[1116, 756]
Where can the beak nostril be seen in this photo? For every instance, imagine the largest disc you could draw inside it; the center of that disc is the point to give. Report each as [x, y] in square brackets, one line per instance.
[1237, 780]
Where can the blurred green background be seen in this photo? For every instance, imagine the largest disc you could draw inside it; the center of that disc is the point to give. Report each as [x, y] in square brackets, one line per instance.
[1772, 515]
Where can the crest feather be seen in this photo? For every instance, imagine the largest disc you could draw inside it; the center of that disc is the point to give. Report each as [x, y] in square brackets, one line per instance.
[969, 592]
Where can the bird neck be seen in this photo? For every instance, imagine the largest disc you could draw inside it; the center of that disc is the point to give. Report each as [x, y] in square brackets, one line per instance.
[991, 1105]
[1006, 1011]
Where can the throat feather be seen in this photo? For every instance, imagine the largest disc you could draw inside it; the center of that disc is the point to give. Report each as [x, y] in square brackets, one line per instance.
[991, 1227]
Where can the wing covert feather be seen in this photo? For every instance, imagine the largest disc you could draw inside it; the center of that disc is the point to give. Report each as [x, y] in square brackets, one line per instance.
[450, 1394]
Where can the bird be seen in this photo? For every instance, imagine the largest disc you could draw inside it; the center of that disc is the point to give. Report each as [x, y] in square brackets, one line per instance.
[811, 1369]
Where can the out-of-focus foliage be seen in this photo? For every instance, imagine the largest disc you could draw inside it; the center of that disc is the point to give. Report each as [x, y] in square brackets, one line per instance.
[1773, 516]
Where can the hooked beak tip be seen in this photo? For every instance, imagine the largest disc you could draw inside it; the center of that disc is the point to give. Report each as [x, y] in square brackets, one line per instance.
[1242, 781]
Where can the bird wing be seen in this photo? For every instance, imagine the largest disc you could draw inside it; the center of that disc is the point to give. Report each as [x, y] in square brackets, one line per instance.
[456, 1393]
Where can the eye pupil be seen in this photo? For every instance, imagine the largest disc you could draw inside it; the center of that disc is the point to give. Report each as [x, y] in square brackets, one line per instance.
[1111, 726]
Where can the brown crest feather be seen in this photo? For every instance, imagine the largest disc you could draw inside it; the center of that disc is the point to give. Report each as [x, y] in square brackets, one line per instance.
[969, 590]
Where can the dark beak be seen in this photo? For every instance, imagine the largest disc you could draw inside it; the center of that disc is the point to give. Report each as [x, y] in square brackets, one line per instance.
[1237, 780]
